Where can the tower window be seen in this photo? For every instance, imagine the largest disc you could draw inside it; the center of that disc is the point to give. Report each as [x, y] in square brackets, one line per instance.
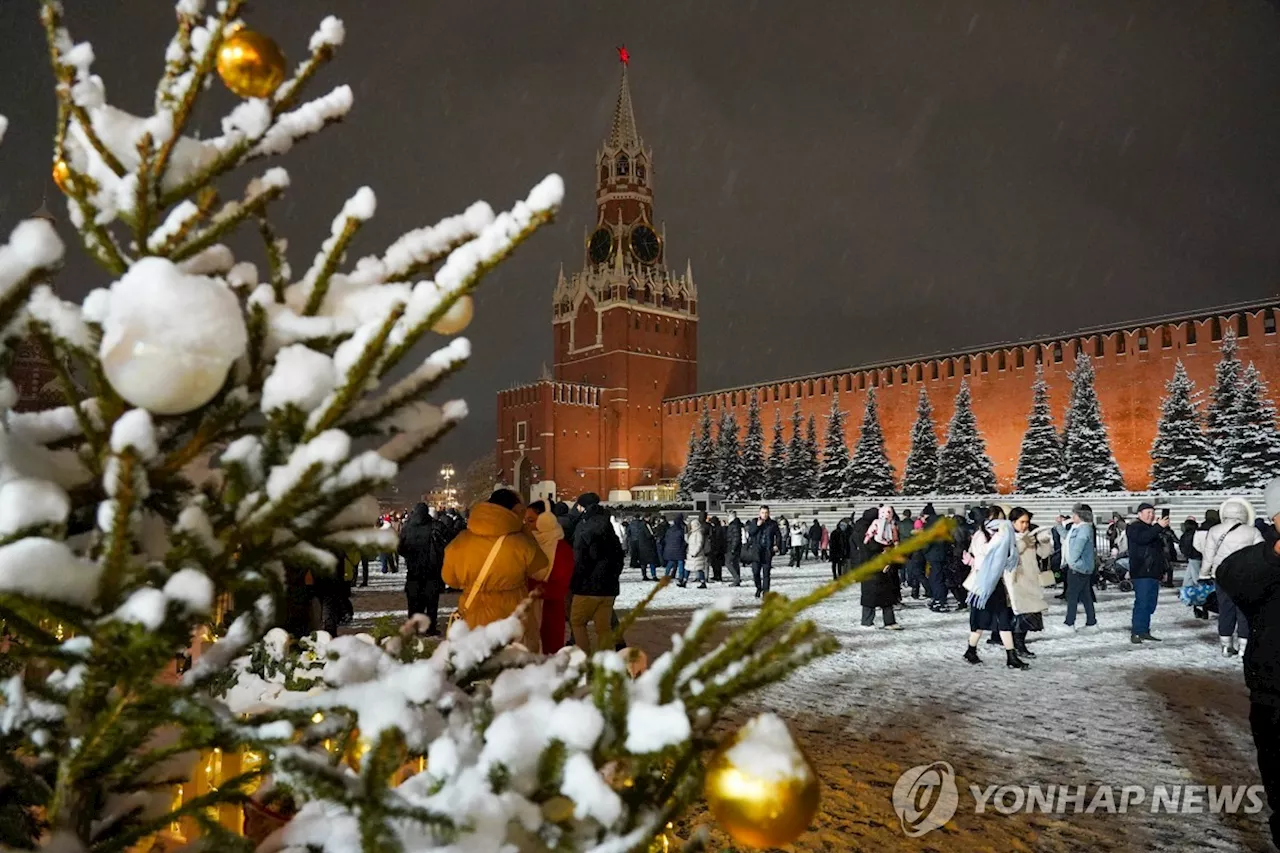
[1242, 326]
[951, 368]
[1000, 360]
[982, 360]
[624, 166]
[1057, 353]
[1122, 343]
[522, 432]
[1020, 357]
[1191, 330]
[1097, 346]
[862, 381]
[1269, 323]
[904, 376]
[1166, 337]
[968, 366]
[888, 377]
[1215, 329]
[933, 370]
[1039, 354]
[604, 172]
[919, 373]
[1076, 348]
[1142, 341]
[640, 172]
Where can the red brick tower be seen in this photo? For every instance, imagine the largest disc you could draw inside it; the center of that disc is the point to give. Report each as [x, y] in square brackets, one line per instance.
[625, 323]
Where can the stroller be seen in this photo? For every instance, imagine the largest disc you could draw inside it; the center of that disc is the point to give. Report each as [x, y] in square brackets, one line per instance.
[1115, 571]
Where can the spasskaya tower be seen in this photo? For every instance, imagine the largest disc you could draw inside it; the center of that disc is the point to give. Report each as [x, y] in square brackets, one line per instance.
[625, 331]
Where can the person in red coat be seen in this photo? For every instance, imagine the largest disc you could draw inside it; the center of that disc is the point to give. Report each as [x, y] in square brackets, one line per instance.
[553, 581]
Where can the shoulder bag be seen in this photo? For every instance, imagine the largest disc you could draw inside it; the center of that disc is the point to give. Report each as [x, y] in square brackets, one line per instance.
[459, 613]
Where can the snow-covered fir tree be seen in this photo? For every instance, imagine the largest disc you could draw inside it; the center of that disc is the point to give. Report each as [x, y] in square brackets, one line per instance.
[1252, 451]
[963, 464]
[1086, 448]
[1180, 455]
[775, 476]
[921, 474]
[1040, 460]
[811, 457]
[239, 420]
[835, 453]
[869, 471]
[1220, 424]
[753, 463]
[794, 479]
[700, 467]
[729, 479]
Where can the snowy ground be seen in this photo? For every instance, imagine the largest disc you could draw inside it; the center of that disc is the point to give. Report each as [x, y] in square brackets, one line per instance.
[1092, 710]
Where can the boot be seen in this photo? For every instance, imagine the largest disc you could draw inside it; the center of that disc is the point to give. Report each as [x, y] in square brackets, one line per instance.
[702, 585]
[1227, 650]
[1013, 661]
[1020, 646]
[971, 655]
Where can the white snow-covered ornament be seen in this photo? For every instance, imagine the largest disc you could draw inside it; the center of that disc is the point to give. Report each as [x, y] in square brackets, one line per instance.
[457, 318]
[169, 337]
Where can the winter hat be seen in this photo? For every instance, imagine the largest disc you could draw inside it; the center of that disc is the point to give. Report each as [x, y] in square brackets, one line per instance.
[1145, 505]
[588, 500]
[1271, 498]
[928, 510]
[919, 525]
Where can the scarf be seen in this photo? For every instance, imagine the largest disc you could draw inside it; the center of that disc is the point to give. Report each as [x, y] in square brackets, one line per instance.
[883, 530]
[1001, 557]
[548, 533]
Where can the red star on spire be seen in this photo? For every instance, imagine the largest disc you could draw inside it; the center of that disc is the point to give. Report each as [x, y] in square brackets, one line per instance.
[623, 56]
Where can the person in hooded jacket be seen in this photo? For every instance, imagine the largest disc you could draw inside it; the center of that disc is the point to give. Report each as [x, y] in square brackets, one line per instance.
[674, 548]
[1234, 532]
[717, 546]
[1250, 578]
[552, 583]
[422, 545]
[494, 594]
[880, 590]
[799, 538]
[838, 549]
[695, 561]
[815, 539]
[597, 566]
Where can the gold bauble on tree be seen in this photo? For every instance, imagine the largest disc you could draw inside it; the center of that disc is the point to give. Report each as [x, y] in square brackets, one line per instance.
[457, 318]
[760, 787]
[62, 175]
[250, 63]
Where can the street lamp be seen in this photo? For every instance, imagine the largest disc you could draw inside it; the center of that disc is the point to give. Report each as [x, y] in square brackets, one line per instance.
[447, 473]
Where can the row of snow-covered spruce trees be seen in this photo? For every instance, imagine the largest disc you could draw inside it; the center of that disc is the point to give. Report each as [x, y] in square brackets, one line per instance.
[1233, 443]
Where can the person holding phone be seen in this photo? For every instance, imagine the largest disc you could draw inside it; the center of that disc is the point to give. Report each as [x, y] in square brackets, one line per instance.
[1147, 561]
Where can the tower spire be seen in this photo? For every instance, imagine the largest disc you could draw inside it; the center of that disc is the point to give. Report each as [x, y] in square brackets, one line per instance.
[623, 133]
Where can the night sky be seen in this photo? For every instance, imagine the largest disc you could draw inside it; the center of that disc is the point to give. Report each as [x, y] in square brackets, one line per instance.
[853, 181]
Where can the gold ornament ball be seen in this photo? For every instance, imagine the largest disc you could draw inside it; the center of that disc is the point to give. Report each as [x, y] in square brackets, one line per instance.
[457, 318]
[62, 175]
[760, 787]
[251, 64]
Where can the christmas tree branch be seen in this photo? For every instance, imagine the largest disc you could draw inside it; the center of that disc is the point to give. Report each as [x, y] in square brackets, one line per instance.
[260, 194]
[228, 11]
[277, 265]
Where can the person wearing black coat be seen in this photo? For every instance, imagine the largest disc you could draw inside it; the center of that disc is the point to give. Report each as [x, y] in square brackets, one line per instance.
[733, 548]
[422, 543]
[879, 591]
[1147, 561]
[660, 527]
[1251, 579]
[717, 547]
[839, 548]
[644, 548]
[598, 559]
[815, 538]
[936, 560]
[764, 538]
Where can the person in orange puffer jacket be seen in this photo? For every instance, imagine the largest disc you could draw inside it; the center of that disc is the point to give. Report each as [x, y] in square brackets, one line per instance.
[518, 558]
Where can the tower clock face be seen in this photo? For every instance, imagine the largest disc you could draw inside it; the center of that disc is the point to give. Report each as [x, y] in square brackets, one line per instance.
[600, 246]
[645, 245]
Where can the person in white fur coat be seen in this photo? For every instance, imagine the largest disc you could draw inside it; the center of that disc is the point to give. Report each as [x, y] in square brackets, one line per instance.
[1233, 532]
[1026, 590]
